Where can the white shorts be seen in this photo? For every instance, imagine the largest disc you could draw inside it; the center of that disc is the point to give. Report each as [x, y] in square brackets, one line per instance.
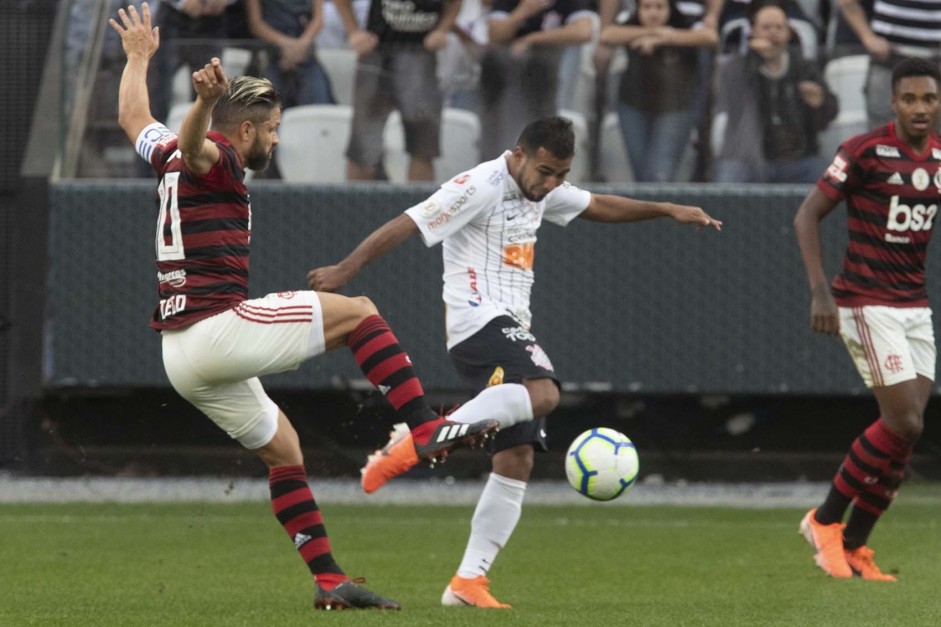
[215, 363]
[889, 344]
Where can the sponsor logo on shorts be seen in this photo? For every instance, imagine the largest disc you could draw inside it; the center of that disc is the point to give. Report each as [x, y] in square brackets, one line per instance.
[288, 294]
[518, 334]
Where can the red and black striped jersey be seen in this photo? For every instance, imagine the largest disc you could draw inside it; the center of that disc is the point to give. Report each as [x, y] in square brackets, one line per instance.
[892, 197]
[203, 235]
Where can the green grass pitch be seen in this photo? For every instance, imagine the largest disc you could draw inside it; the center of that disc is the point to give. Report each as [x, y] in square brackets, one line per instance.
[219, 564]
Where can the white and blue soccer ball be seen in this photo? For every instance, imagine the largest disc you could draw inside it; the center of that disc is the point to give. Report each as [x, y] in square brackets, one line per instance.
[602, 464]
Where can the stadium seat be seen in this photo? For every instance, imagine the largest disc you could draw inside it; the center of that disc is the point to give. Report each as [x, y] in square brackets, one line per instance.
[340, 66]
[842, 128]
[313, 143]
[460, 134]
[613, 161]
[846, 77]
[176, 115]
[581, 163]
[235, 62]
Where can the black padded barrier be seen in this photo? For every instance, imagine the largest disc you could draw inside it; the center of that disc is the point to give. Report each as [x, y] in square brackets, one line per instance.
[645, 308]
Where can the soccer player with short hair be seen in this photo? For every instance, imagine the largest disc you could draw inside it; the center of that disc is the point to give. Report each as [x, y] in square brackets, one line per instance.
[890, 180]
[486, 220]
[216, 341]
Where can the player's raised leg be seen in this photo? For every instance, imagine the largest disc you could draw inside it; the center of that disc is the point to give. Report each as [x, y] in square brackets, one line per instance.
[356, 323]
[508, 404]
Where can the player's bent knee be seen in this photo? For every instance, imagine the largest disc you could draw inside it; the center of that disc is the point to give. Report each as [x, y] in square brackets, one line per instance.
[284, 449]
[515, 463]
[364, 306]
[544, 395]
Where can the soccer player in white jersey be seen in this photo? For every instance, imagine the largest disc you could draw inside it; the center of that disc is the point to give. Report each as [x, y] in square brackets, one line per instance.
[890, 181]
[486, 220]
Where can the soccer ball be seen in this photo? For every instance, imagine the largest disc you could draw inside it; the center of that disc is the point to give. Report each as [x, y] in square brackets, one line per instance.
[602, 464]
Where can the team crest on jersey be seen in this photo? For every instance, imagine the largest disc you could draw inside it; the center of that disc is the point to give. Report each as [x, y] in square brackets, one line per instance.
[937, 180]
[887, 151]
[920, 179]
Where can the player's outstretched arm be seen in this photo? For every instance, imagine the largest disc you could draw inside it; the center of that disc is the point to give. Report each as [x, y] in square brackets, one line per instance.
[140, 41]
[617, 209]
[824, 315]
[379, 242]
[200, 153]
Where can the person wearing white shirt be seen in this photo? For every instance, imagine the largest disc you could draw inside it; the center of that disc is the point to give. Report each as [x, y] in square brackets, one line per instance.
[486, 220]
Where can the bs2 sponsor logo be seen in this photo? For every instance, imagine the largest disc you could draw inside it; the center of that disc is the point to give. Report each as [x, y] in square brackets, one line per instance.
[905, 218]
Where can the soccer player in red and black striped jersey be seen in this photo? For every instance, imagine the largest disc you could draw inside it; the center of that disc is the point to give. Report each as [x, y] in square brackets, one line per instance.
[216, 341]
[890, 181]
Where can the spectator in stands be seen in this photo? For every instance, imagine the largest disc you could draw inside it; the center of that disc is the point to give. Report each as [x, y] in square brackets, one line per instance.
[519, 76]
[291, 26]
[773, 103]
[735, 26]
[333, 34]
[895, 29]
[841, 40]
[459, 61]
[657, 95]
[701, 14]
[397, 69]
[191, 31]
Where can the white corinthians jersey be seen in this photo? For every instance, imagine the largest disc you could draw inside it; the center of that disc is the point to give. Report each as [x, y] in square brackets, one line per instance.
[488, 230]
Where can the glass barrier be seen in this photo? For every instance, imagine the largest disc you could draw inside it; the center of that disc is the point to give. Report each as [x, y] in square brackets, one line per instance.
[485, 94]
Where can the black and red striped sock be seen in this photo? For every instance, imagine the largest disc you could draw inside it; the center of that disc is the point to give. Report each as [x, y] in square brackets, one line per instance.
[867, 465]
[294, 506]
[869, 506]
[388, 367]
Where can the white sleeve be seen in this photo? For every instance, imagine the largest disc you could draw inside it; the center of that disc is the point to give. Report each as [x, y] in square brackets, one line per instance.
[453, 206]
[565, 203]
[149, 137]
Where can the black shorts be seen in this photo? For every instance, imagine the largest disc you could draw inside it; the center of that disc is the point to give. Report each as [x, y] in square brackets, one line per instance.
[504, 352]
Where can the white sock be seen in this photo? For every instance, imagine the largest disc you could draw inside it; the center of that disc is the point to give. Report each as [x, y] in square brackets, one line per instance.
[508, 402]
[498, 511]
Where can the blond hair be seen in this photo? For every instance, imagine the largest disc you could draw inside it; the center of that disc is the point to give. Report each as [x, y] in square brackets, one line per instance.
[245, 98]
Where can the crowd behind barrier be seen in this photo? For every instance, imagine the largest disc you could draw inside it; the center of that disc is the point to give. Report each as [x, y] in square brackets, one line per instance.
[646, 94]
